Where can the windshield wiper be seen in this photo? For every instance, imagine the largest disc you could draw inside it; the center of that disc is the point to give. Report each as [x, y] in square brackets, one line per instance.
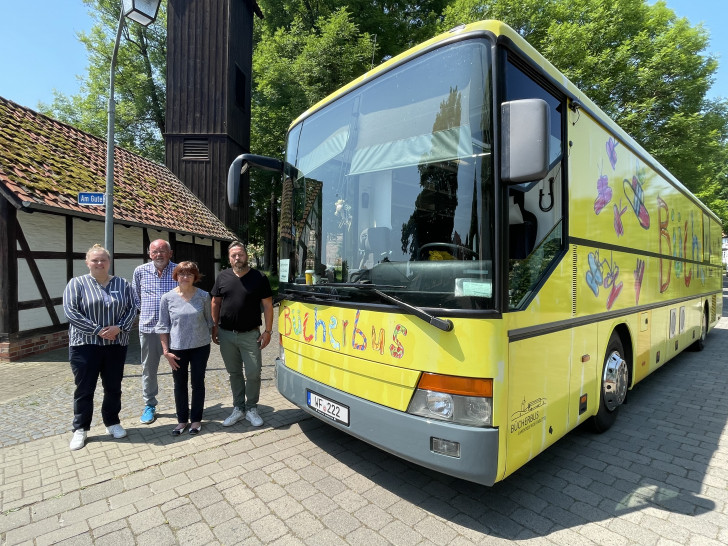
[324, 292]
[321, 292]
[445, 325]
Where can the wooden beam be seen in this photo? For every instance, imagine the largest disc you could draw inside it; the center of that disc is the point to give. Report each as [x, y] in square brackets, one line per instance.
[69, 248]
[8, 268]
[37, 277]
[35, 304]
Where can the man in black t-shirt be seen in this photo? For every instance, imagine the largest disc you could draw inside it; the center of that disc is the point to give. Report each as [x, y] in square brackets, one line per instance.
[237, 297]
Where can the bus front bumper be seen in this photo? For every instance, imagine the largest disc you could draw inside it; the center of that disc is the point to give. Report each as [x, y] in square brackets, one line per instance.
[407, 436]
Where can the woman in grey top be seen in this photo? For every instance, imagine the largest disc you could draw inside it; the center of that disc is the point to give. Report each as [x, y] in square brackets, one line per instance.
[184, 328]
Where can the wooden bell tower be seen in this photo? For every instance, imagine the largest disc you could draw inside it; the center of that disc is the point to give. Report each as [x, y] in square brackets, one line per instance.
[209, 66]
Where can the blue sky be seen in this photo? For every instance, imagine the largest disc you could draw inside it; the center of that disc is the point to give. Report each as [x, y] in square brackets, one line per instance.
[40, 51]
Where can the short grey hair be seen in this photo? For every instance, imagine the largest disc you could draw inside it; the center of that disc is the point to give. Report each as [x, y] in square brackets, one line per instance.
[236, 244]
[169, 247]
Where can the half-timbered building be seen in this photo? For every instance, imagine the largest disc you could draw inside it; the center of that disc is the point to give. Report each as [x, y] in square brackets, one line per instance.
[45, 232]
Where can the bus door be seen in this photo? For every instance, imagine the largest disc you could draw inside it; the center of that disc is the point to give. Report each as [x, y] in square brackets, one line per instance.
[539, 287]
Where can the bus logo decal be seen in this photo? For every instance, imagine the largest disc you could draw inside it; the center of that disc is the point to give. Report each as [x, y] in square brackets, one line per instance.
[528, 416]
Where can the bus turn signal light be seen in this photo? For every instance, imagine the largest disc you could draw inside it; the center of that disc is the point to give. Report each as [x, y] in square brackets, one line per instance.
[465, 386]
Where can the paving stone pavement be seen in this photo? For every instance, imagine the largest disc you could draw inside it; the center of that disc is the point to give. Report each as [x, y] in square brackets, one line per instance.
[659, 476]
[36, 399]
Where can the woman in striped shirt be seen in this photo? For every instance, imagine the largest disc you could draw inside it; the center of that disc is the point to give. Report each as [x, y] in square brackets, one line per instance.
[101, 311]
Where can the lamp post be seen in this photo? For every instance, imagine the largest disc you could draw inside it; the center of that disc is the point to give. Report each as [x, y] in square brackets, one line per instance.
[143, 12]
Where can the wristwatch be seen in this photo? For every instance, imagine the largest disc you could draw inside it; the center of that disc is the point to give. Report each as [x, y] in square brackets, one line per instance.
[269, 332]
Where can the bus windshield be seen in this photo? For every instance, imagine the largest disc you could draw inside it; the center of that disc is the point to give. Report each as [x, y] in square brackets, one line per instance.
[391, 185]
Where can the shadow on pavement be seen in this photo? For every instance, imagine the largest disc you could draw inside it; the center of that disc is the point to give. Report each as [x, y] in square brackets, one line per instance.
[656, 456]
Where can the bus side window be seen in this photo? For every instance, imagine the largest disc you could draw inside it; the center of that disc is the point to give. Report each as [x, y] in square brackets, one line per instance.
[523, 227]
[535, 208]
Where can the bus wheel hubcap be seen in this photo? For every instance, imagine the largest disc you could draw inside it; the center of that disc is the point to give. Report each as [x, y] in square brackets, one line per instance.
[615, 380]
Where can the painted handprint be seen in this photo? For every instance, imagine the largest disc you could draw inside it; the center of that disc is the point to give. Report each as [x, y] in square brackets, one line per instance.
[604, 193]
[612, 152]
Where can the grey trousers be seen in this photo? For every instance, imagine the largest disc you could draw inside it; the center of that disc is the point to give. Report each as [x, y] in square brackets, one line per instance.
[238, 351]
[151, 349]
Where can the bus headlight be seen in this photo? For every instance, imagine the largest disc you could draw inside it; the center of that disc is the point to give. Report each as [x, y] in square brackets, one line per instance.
[461, 400]
[439, 403]
[463, 410]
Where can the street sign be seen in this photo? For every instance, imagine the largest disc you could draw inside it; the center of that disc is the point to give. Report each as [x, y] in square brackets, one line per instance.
[91, 198]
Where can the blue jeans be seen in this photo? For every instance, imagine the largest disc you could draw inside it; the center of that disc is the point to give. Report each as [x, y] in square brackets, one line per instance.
[241, 350]
[88, 362]
[151, 349]
[196, 361]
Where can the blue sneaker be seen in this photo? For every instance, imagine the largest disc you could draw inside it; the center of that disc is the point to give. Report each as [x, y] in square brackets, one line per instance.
[148, 415]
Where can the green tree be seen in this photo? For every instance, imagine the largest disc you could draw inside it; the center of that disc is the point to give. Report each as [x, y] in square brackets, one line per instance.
[644, 66]
[293, 69]
[140, 82]
[393, 25]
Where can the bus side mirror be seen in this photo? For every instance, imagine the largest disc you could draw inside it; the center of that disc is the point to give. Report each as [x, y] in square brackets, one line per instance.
[525, 131]
[240, 166]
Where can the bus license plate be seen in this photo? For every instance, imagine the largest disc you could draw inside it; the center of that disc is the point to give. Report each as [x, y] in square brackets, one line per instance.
[328, 408]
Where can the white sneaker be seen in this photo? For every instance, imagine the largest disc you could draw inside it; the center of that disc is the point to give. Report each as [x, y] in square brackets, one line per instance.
[235, 416]
[252, 416]
[117, 431]
[78, 440]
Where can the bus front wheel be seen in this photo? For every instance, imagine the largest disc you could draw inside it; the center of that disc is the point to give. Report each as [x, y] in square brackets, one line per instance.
[615, 380]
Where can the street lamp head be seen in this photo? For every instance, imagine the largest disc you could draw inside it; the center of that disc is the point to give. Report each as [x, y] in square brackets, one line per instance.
[143, 12]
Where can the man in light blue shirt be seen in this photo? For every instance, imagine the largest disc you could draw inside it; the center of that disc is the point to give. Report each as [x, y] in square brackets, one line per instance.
[151, 280]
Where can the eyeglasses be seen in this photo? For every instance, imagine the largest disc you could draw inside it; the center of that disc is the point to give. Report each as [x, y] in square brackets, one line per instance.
[158, 252]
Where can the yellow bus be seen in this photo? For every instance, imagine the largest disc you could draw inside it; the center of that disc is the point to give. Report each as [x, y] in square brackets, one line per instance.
[474, 259]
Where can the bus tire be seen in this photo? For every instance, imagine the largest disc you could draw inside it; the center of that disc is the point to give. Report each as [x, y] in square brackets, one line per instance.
[699, 343]
[614, 383]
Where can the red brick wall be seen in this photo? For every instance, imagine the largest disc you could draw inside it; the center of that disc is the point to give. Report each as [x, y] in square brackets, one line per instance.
[33, 345]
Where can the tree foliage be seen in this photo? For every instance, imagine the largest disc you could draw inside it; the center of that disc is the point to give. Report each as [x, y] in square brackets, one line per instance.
[645, 67]
[140, 82]
[393, 26]
[295, 68]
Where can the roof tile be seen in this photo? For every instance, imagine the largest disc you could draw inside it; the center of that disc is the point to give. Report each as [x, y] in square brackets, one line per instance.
[45, 164]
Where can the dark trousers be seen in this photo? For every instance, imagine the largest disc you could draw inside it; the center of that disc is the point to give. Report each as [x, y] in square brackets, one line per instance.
[88, 362]
[196, 361]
